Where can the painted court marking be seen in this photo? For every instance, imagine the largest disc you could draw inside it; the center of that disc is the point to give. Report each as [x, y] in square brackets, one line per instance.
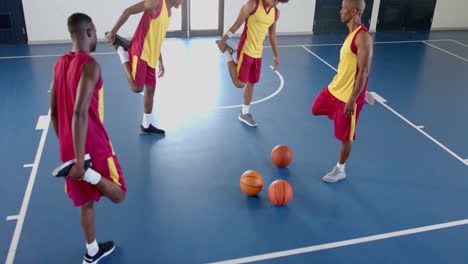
[343, 243]
[263, 99]
[42, 124]
[252, 103]
[12, 217]
[448, 52]
[459, 43]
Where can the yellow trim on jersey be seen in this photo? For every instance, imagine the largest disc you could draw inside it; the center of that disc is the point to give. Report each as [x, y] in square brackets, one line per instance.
[112, 147]
[134, 66]
[113, 171]
[353, 124]
[101, 104]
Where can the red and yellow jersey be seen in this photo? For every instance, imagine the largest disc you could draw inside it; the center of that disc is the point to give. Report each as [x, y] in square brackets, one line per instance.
[150, 34]
[67, 75]
[343, 83]
[255, 30]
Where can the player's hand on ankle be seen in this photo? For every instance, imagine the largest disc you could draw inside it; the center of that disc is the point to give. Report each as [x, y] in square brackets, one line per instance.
[110, 37]
[222, 44]
[76, 172]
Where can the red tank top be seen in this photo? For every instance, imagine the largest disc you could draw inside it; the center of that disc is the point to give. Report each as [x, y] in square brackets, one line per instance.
[67, 74]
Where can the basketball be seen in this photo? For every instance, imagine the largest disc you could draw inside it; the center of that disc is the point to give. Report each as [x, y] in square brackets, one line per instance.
[281, 156]
[251, 182]
[280, 192]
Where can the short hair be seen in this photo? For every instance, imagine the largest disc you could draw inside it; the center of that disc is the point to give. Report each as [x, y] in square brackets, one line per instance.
[283, 1]
[78, 23]
[359, 4]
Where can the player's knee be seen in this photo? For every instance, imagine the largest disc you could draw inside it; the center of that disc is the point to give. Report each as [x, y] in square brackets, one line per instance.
[315, 110]
[119, 198]
[137, 89]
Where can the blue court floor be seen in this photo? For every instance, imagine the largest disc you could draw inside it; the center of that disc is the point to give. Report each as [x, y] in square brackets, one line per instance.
[404, 200]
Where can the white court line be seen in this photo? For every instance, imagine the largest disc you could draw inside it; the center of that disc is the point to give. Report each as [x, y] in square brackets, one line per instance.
[420, 127]
[260, 100]
[381, 100]
[422, 131]
[42, 124]
[28, 165]
[343, 243]
[445, 51]
[12, 217]
[459, 43]
[279, 46]
[254, 102]
[322, 60]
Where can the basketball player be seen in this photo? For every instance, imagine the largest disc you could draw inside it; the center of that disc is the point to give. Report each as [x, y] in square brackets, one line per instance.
[259, 17]
[140, 57]
[344, 97]
[76, 113]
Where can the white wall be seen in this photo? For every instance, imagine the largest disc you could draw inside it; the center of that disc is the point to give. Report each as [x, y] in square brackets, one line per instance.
[297, 16]
[451, 14]
[46, 20]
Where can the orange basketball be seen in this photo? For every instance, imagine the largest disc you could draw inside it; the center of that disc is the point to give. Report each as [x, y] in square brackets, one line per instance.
[280, 192]
[251, 182]
[281, 156]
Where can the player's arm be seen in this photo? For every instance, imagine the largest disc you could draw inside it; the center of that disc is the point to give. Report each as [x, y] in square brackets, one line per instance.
[162, 70]
[273, 42]
[364, 57]
[146, 5]
[53, 106]
[244, 13]
[89, 77]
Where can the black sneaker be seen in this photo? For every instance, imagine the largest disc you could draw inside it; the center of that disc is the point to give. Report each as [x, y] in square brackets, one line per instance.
[152, 130]
[62, 170]
[122, 42]
[104, 249]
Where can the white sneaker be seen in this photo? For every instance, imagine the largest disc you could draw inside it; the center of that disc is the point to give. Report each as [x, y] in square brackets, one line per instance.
[370, 100]
[334, 175]
[247, 119]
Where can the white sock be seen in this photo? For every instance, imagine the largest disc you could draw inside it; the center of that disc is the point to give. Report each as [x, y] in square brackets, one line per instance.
[92, 176]
[340, 166]
[146, 120]
[228, 56]
[245, 109]
[122, 54]
[93, 248]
